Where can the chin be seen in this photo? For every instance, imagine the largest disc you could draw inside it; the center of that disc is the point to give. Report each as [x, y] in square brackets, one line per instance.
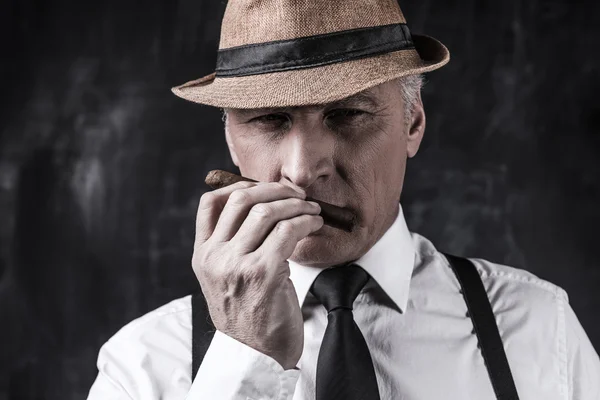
[326, 247]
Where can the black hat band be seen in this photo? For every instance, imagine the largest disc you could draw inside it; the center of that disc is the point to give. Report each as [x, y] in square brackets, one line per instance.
[312, 51]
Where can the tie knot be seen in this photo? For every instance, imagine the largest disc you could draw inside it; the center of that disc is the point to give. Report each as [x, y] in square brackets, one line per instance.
[338, 287]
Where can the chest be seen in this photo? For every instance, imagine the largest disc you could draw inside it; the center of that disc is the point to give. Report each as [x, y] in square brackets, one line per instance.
[431, 351]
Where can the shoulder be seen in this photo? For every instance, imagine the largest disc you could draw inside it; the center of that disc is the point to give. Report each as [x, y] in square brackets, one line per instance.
[530, 312]
[511, 290]
[496, 277]
[173, 317]
[151, 355]
[522, 301]
[533, 315]
[155, 344]
[511, 280]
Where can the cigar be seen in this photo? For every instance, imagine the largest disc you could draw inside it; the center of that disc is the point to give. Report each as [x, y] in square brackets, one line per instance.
[333, 216]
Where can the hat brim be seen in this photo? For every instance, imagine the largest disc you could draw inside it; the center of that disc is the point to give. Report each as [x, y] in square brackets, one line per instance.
[317, 85]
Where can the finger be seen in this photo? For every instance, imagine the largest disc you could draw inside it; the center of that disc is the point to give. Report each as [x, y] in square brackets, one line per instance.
[262, 218]
[286, 234]
[239, 204]
[210, 207]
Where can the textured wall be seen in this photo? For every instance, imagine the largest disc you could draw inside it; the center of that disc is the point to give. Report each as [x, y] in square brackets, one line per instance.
[101, 168]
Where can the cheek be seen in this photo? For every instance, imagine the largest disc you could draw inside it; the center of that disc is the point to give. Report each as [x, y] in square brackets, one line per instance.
[391, 167]
[381, 150]
[378, 165]
[255, 157]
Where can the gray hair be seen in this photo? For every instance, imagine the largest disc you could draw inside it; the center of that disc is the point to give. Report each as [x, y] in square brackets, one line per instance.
[410, 87]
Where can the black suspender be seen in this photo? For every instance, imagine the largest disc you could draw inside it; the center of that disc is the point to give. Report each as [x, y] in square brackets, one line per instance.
[485, 326]
[478, 305]
[203, 330]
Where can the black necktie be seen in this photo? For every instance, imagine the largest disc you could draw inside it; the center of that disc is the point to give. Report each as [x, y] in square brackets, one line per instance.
[344, 367]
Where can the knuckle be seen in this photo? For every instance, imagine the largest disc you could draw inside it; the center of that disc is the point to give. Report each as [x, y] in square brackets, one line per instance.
[207, 200]
[199, 270]
[285, 228]
[239, 197]
[200, 259]
[214, 271]
[296, 202]
[240, 268]
[248, 261]
[262, 210]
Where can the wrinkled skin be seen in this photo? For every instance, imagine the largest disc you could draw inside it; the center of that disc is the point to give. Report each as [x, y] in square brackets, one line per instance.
[351, 154]
[355, 161]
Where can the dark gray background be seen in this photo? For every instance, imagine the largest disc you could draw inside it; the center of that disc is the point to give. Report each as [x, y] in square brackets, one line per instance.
[101, 167]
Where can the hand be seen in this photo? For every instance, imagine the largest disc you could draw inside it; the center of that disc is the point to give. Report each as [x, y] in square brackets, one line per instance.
[245, 233]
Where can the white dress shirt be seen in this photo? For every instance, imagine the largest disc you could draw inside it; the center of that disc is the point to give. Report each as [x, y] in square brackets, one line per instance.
[414, 321]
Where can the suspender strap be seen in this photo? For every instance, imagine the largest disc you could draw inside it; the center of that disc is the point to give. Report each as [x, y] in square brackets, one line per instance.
[203, 330]
[485, 326]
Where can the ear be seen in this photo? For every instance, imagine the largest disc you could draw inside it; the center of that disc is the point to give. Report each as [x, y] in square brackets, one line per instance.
[231, 146]
[416, 128]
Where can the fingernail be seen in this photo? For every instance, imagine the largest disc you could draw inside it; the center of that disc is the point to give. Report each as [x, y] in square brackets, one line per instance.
[314, 204]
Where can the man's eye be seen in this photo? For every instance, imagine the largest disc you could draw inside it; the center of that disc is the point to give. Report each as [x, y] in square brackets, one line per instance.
[346, 113]
[271, 119]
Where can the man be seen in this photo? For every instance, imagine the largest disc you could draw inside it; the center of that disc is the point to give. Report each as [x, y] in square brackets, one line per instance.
[322, 100]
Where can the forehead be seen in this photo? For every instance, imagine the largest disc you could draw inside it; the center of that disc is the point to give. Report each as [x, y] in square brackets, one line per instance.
[370, 98]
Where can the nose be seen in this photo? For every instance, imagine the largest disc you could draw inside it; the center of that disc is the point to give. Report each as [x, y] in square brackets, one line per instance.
[307, 155]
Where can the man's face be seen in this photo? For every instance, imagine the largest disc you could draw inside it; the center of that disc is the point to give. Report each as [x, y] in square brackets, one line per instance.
[351, 153]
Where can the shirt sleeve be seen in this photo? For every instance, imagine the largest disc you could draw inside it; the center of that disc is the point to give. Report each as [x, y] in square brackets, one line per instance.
[583, 363]
[104, 388]
[232, 370]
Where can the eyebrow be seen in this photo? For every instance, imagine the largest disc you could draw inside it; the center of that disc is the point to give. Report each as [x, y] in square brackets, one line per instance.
[365, 98]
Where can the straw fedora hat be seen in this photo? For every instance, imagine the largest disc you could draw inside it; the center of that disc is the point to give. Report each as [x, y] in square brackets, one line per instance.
[280, 53]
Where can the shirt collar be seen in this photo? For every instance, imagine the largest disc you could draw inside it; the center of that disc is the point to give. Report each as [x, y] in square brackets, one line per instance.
[389, 262]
